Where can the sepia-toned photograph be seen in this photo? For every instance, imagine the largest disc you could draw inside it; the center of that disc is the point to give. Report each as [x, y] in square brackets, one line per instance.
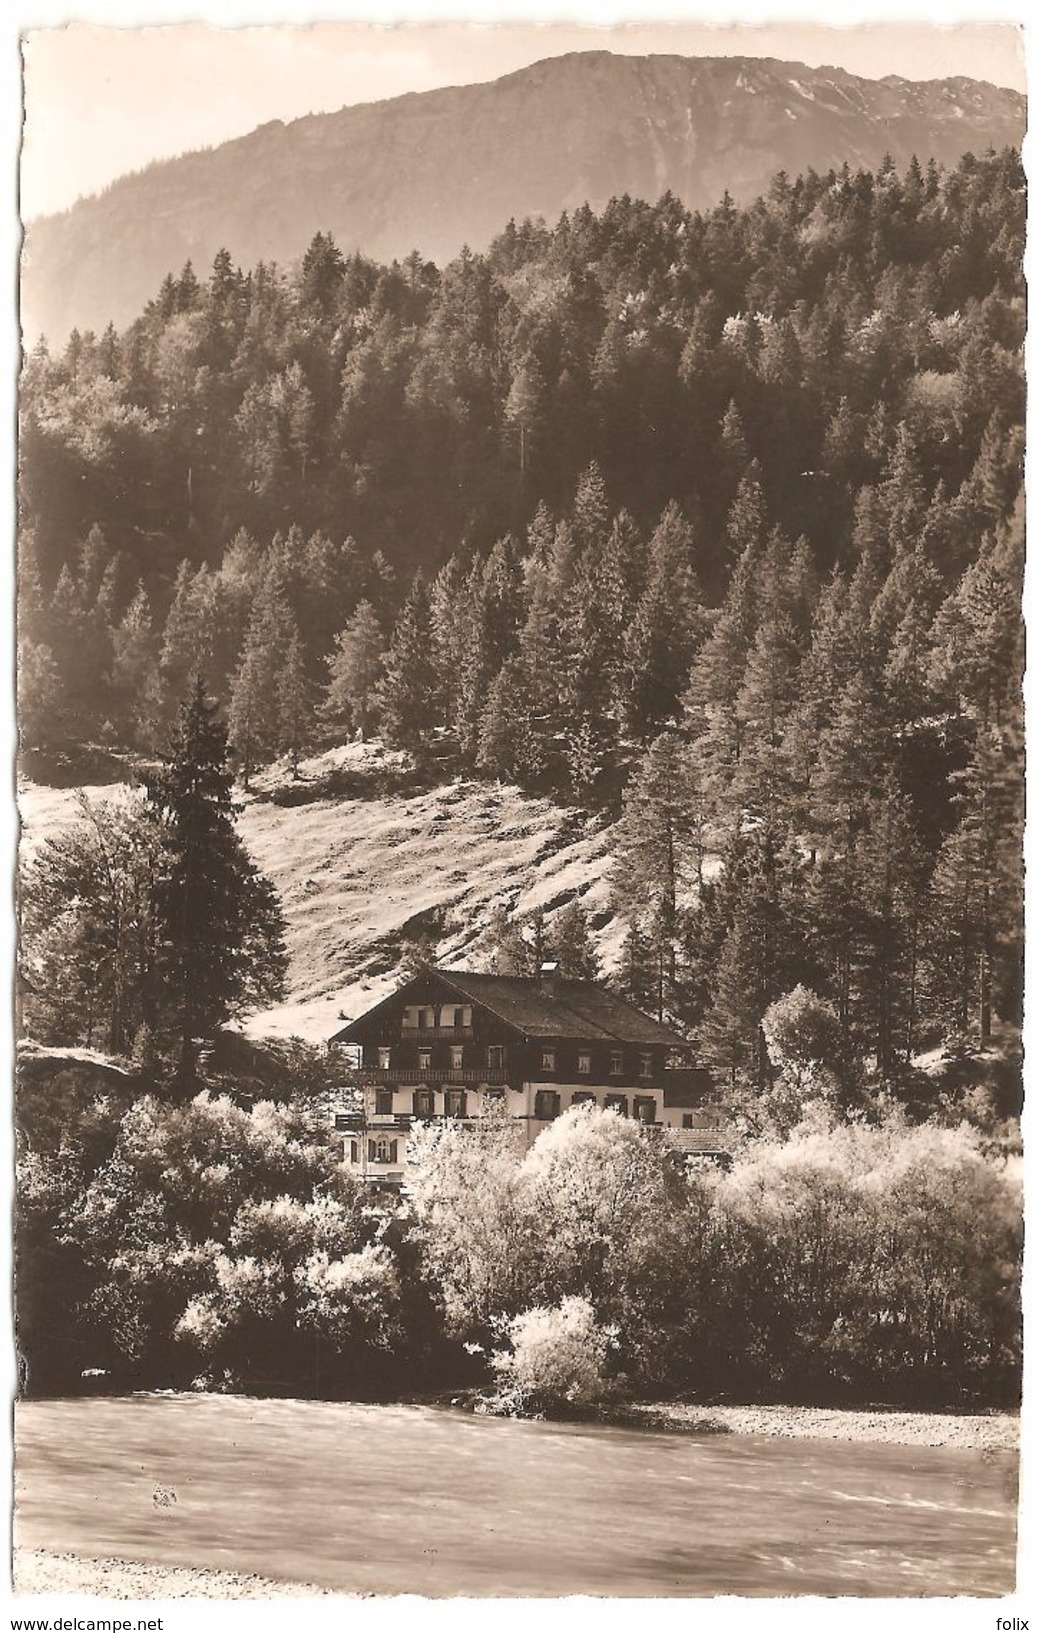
[520, 779]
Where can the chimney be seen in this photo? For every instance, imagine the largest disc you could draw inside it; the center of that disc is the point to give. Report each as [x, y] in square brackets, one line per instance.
[548, 976]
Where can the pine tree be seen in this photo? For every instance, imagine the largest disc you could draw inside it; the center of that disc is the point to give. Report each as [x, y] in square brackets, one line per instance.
[295, 703]
[588, 723]
[762, 783]
[667, 628]
[660, 845]
[504, 948]
[637, 975]
[512, 743]
[710, 706]
[747, 521]
[254, 716]
[892, 878]
[407, 693]
[220, 925]
[590, 514]
[354, 671]
[759, 958]
[448, 632]
[973, 947]
[571, 944]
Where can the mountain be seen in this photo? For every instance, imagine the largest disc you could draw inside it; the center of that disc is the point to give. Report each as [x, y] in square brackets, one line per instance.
[440, 169]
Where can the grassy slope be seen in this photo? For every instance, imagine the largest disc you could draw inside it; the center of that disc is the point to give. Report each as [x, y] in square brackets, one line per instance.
[352, 873]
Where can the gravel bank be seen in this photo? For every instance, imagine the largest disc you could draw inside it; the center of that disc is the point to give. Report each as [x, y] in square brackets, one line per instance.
[38, 1572]
[998, 1431]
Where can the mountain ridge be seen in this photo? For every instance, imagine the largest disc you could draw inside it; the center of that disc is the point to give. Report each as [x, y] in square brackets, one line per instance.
[434, 170]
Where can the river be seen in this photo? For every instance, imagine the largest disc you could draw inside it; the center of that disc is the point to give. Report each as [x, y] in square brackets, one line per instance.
[415, 1499]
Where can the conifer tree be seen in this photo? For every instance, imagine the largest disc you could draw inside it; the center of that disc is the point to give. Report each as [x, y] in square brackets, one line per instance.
[571, 944]
[637, 975]
[668, 625]
[254, 716]
[220, 925]
[449, 631]
[407, 693]
[354, 671]
[295, 703]
[710, 706]
[894, 875]
[762, 782]
[660, 848]
[588, 723]
[590, 514]
[747, 521]
[512, 742]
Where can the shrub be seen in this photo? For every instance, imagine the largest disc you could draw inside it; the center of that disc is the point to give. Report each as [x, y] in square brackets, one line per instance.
[558, 1359]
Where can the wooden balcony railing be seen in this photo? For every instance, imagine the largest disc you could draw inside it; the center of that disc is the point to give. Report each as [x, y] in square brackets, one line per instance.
[432, 1033]
[431, 1075]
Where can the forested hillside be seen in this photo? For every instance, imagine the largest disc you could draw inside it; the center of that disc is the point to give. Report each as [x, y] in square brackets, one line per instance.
[448, 167]
[713, 518]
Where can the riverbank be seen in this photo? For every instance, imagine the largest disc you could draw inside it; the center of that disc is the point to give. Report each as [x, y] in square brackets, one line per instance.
[37, 1571]
[878, 1425]
[995, 1431]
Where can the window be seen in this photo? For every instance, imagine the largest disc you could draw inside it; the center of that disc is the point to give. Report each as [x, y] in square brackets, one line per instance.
[454, 1103]
[617, 1102]
[456, 1057]
[548, 1060]
[584, 1064]
[425, 1059]
[496, 1057]
[382, 1150]
[422, 1103]
[645, 1108]
[646, 1065]
[580, 1095]
[616, 1062]
[383, 1102]
[384, 1060]
[546, 1105]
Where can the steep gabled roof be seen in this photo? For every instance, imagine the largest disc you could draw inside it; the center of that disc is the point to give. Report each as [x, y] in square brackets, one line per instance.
[578, 1010]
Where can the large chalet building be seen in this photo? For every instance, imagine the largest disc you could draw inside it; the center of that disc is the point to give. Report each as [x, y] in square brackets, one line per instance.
[451, 1044]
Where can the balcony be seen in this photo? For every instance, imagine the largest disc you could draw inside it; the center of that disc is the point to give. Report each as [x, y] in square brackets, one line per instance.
[431, 1033]
[368, 1075]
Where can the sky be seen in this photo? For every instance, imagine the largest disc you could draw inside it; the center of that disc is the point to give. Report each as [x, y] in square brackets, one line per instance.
[100, 101]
